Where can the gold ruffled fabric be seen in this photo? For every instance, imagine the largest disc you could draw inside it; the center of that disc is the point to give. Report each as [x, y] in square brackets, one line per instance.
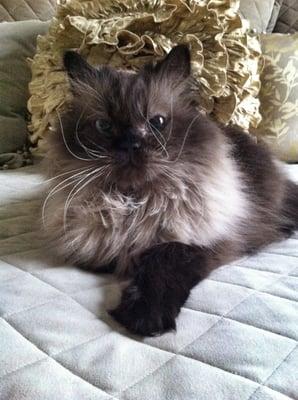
[226, 60]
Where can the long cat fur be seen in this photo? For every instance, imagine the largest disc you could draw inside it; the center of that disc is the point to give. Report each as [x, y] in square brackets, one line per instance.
[197, 183]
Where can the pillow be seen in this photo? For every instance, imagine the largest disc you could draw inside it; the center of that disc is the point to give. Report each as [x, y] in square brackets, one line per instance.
[279, 95]
[262, 14]
[18, 40]
[226, 61]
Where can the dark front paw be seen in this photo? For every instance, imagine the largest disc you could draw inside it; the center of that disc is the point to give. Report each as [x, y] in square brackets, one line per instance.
[141, 316]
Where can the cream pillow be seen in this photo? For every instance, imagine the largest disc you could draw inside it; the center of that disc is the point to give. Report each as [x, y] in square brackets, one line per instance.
[279, 95]
[17, 43]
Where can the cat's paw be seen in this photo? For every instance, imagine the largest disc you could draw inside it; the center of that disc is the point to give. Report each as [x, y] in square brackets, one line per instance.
[142, 317]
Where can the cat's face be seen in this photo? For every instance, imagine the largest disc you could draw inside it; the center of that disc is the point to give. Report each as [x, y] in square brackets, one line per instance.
[133, 124]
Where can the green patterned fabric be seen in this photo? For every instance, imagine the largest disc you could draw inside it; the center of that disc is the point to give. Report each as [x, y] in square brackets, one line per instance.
[279, 95]
[17, 42]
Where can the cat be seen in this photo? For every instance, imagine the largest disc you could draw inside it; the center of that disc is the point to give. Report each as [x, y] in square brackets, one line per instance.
[146, 185]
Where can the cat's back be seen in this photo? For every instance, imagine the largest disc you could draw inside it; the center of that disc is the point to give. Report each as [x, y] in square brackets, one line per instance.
[261, 170]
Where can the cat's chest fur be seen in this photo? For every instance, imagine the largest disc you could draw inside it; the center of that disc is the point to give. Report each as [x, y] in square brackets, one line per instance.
[198, 208]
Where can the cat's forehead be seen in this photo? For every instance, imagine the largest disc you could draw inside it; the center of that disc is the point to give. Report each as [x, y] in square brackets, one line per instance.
[143, 94]
[159, 87]
[129, 97]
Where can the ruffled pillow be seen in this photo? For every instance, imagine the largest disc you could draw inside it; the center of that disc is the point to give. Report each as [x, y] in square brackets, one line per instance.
[226, 61]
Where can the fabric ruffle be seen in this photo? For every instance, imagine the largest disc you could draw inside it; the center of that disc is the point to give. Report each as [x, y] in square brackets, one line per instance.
[226, 60]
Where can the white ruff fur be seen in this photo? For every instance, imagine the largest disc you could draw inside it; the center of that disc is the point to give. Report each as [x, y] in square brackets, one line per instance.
[193, 205]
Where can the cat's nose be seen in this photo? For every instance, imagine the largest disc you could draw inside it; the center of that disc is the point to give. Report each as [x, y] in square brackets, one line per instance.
[129, 143]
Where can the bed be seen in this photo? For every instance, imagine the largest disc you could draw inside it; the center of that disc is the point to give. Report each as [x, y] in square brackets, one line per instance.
[236, 336]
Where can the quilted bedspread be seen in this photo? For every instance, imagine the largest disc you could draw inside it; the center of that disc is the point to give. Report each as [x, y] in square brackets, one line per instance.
[236, 337]
[20, 10]
[288, 17]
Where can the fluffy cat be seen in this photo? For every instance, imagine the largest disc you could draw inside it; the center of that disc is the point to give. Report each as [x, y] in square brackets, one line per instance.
[145, 184]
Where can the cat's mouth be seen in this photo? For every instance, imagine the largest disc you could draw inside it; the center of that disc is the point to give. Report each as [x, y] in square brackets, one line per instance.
[130, 170]
[129, 159]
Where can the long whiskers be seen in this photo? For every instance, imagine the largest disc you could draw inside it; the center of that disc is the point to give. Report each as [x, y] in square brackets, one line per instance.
[185, 137]
[59, 175]
[96, 173]
[60, 186]
[88, 90]
[97, 146]
[85, 148]
[93, 154]
[66, 144]
[171, 130]
[163, 146]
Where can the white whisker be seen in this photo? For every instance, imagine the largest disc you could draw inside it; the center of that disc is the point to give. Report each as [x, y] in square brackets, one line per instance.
[66, 144]
[97, 146]
[74, 192]
[60, 186]
[62, 174]
[163, 146]
[90, 152]
[86, 149]
[185, 137]
[171, 130]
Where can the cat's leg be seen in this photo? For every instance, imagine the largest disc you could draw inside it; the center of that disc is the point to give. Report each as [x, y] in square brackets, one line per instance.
[289, 221]
[109, 268]
[164, 276]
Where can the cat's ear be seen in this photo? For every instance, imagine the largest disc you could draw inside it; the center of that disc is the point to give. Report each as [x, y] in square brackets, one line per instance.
[77, 68]
[177, 63]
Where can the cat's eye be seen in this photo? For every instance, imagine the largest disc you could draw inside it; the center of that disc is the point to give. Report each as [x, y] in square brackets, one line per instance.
[103, 126]
[158, 122]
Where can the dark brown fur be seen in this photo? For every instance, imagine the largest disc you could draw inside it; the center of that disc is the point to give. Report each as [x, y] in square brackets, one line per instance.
[168, 205]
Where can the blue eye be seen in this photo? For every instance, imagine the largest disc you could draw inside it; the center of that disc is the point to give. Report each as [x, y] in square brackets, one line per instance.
[103, 126]
[158, 122]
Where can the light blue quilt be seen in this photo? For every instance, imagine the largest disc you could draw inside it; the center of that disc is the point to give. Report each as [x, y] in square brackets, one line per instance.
[236, 337]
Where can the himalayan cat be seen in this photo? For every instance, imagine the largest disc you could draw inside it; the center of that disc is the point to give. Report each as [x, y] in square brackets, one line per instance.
[146, 185]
